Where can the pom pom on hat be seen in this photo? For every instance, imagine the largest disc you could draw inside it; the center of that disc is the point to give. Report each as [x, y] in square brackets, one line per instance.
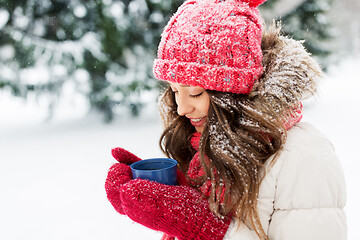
[253, 3]
[216, 48]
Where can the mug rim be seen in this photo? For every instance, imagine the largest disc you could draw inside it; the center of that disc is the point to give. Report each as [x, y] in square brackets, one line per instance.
[172, 162]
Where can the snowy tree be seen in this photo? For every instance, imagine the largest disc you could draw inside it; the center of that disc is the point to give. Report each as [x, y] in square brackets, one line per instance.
[103, 48]
[305, 20]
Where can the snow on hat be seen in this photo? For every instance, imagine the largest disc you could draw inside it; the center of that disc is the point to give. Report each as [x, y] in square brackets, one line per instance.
[213, 44]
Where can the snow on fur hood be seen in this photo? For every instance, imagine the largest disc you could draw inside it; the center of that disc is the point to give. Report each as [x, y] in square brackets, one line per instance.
[290, 74]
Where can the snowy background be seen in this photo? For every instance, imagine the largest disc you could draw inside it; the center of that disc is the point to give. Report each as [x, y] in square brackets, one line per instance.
[52, 172]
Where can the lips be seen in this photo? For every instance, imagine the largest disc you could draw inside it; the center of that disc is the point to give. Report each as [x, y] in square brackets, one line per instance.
[197, 122]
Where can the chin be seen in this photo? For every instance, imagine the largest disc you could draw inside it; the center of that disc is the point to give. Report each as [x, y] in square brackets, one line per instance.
[199, 129]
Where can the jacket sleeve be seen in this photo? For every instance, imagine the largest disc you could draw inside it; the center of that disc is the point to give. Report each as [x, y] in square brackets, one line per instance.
[303, 194]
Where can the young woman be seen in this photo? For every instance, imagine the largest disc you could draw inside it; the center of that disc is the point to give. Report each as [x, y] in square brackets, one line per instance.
[248, 169]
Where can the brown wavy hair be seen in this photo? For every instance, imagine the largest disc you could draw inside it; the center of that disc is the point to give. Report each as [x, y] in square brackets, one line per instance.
[242, 132]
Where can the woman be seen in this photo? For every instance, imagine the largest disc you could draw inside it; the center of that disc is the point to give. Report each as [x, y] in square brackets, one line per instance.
[248, 169]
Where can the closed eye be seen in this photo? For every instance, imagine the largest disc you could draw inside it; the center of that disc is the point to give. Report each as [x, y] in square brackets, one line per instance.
[196, 95]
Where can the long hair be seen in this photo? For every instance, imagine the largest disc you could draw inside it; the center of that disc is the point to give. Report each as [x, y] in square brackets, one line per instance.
[242, 132]
[238, 138]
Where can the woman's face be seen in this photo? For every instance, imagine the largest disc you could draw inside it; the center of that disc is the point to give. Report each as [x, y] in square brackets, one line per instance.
[193, 103]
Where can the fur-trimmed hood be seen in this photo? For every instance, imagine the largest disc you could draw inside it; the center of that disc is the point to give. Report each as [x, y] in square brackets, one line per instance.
[290, 74]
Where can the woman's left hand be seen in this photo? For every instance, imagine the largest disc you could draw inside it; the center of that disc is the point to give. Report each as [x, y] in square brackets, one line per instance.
[180, 211]
[118, 174]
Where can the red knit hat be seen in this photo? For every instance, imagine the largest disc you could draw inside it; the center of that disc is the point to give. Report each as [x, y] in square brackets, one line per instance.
[212, 44]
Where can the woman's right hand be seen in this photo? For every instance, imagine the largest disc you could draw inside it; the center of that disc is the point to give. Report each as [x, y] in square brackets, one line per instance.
[119, 174]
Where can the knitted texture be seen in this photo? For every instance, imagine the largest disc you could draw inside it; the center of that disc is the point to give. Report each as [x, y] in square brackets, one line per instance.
[124, 156]
[197, 171]
[294, 116]
[212, 44]
[179, 211]
[118, 174]
[167, 237]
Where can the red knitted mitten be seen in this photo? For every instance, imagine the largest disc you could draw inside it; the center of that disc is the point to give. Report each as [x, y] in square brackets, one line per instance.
[124, 156]
[179, 211]
[167, 237]
[118, 174]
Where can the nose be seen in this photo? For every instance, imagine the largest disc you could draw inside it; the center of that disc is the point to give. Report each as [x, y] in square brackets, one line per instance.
[183, 106]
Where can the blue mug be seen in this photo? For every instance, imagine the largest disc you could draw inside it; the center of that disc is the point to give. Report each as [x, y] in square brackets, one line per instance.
[161, 170]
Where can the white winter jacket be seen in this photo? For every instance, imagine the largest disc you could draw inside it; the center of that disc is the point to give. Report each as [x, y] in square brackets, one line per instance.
[302, 195]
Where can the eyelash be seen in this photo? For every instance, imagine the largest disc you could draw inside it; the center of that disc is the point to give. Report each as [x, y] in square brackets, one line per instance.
[193, 96]
[197, 95]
